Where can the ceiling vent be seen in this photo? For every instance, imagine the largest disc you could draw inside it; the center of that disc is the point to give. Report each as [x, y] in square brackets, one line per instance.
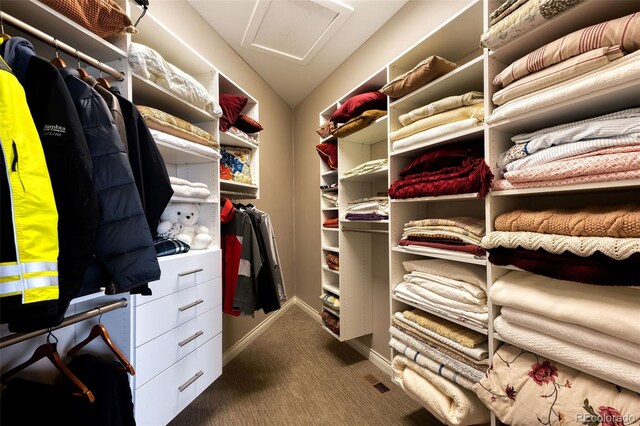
[294, 30]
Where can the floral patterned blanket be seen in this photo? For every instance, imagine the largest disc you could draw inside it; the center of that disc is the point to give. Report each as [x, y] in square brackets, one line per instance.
[522, 388]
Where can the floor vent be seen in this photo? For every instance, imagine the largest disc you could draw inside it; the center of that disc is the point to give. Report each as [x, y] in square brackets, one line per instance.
[377, 384]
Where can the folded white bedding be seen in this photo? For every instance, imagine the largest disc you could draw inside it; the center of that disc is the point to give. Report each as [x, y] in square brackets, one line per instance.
[474, 291]
[184, 144]
[436, 132]
[458, 294]
[190, 192]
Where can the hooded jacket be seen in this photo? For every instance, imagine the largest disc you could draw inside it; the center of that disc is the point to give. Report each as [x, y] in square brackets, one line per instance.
[124, 246]
[70, 169]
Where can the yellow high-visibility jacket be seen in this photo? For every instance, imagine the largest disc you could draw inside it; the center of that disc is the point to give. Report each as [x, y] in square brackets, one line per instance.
[32, 268]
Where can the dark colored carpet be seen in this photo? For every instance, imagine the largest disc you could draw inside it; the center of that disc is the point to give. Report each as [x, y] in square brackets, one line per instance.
[297, 374]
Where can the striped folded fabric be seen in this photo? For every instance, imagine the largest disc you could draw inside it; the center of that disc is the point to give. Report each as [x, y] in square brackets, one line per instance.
[169, 246]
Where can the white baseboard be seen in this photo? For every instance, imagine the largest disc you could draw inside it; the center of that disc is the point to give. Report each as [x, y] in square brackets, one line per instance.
[236, 349]
[374, 357]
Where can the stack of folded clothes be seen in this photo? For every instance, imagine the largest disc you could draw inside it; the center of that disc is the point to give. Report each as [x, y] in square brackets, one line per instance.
[331, 198]
[598, 149]
[593, 59]
[514, 18]
[187, 189]
[451, 289]
[460, 234]
[522, 388]
[331, 300]
[333, 261]
[453, 169]
[446, 116]
[594, 245]
[368, 167]
[369, 209]
[593, 328]
[438, 365]
[331, 223]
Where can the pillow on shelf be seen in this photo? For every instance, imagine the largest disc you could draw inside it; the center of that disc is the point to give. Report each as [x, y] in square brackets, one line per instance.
[358, 104]
[331, 300]
[328, 151]
[167, 123]
[360, 122]
[232, 106]
[238, 162]
[425, 72]
[104, 18]
[247, 124]
[326, 129]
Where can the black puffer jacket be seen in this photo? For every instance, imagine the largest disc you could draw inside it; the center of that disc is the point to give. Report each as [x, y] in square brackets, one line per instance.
[124, 245]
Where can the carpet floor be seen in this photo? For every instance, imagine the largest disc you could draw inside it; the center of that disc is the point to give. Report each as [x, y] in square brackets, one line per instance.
[295, 373]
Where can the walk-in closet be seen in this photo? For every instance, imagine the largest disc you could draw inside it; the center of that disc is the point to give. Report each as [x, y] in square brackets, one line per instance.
[349, 212]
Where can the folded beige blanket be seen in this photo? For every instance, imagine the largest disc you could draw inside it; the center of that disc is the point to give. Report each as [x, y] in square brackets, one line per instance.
[457, 333]
[442, 105]
[458, 114]
[595, 221]
[450, 403]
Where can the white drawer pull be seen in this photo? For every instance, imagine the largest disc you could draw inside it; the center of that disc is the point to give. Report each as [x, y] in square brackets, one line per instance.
[190, 381]
[190, 305]
[190, 339]
[182, 274]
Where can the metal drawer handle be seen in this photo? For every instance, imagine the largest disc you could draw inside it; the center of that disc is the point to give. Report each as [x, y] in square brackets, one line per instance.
[182, 274]
[190, 305]
[190, 381]
[190, 339]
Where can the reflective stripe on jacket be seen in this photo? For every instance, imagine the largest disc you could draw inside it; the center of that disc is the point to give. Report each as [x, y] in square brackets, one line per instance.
[31, 268]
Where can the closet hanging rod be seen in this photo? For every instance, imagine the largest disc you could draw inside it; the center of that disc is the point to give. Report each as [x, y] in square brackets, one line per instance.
[365, 231]
[12, 339]
[42, 36]
[234, 194]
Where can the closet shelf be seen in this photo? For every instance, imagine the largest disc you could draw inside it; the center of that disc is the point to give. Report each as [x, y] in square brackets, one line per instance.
[454, 197]
[228, 139]
[148, 93]
[463, 79]
[333, 311]
[324, 327]
[64, 29]
[238, 185]
[429, 311]
[210, 200]
[443, 254]
[330, 229]
[331, 288]
[330, 173]
[618, 97]
[176, 155]
[326, 268]
[330, 248]
[378, 175]
[386, 221]
[330, 209]
[335, 189]
[461, 136]
[583, 187]
[328, 138]
[370, 135]
[584, 14]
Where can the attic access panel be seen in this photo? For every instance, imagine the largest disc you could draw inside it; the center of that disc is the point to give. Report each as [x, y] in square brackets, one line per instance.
[294, 30]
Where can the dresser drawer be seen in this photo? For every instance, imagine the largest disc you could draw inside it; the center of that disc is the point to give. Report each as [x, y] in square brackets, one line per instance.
[183, 271]
[162, 352]
[164, 314]
[161, 399]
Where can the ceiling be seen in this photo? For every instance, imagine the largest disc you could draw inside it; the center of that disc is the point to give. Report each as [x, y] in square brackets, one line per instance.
[295, 44]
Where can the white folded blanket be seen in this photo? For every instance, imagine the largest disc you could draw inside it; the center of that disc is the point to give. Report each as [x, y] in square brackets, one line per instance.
[184, 144]
[609, 310]
[425, 293]
[185, 188]
[617, 370]
[572, 333]
[436, 132]
[451, 289]
[447, 401]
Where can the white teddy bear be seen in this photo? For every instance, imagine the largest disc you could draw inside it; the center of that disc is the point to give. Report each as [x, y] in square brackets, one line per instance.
[179, 221]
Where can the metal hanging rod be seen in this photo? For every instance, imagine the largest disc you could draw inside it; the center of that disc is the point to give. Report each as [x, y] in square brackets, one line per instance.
[42, 36]
[12, 339]
[365, 231]
[234, 194]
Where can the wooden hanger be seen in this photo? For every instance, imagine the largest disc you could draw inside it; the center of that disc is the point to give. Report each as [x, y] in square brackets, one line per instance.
[99, 330]
[101, 80]
[49, 350]
[57, 61]
[81, 71]
[4, 36]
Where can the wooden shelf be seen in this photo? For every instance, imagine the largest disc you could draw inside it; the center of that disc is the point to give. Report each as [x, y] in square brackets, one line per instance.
[331, 288]
[210, 200]
[329, 309]
[456, 197]
[370, 135]
[463, 79]
[335, 189]
[331, 229]
[330, 209]
[330, 173]
[330, 248]
[429, 311]
[60, 27]
[328, 138]
[386, 221]
[232, 185]
[326, 268]
[422, 147]
[375, 176]
[442, 254]
[148, 93]
[584, 187]
[227, 139]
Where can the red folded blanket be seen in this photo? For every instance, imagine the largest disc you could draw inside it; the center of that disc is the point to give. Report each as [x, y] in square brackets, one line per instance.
[595, 269]
[331, 223]
[451, 170]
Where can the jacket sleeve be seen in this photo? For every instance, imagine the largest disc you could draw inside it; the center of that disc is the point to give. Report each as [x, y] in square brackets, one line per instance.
[246, 296]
